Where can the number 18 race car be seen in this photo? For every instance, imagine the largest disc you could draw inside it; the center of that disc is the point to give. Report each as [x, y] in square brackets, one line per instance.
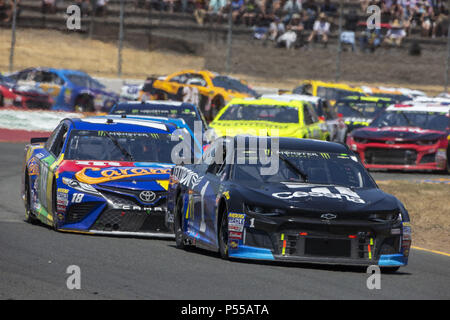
[100, 175]
[320, 206]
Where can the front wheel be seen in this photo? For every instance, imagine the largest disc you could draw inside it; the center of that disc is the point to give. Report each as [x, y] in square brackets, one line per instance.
[389, 269]
[223, 235]
[29, 217]
[178, 224]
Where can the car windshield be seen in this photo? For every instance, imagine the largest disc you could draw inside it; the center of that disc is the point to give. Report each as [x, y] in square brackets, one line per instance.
[84, 81]
[359, 109]
[309, 167]
[334, 93]
[120, 146]
[229, 83]
[426, 120]
[250, 112]
[187, 113]
[6, 80]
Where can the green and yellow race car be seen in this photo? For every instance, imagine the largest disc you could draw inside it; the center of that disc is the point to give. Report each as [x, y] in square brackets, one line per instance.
[268, 117]
[359, 111]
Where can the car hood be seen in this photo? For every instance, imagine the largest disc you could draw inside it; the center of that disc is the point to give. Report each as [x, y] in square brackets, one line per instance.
[398, 133]
[126, 175]
[319, 198]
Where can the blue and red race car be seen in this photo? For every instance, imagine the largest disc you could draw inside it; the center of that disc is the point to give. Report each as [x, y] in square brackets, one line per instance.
[71, 90]
[406, 137]
[100, 175]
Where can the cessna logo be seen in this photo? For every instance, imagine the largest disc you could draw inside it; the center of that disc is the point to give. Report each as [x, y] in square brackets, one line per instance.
[328, 216]
[147, 196]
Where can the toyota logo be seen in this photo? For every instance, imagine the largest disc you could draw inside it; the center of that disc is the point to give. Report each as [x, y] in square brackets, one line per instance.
[328, 216]
[147, 196]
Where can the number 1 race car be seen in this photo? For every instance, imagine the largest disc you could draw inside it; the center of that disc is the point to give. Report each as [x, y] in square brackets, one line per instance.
[406, 137]
[98, 175]
[320, 206]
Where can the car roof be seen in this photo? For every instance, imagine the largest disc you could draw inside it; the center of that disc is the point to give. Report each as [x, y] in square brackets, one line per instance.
[366, 99]
[153, 103]
[105, 123]
[265, 101]
[419, 107]
[294, 143]
[292, 96]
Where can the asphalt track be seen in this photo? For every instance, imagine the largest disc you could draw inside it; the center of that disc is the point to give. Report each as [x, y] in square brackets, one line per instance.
[34, 259]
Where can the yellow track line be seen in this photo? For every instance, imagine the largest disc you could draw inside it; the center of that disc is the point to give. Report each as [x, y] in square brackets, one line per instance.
[434, 251]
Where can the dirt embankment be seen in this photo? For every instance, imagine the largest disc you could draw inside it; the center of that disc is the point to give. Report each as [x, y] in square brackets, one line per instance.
[429, 208]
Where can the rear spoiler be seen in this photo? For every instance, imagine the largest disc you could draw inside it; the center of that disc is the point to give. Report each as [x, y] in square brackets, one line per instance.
[38, 140]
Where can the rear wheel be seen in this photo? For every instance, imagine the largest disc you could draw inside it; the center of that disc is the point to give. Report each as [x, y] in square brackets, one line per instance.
[223, 235]
[2, 101]
[84, 103]
[178, 224]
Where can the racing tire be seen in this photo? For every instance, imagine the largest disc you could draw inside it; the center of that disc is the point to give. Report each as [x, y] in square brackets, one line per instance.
[448, 159]
[389, 269]
[223, 236]
[178, 225]
[2, 101]
[29, 217]
[54, 215]
[84, 104]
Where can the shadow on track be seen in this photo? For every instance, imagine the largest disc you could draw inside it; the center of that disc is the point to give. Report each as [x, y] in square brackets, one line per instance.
[289, 264]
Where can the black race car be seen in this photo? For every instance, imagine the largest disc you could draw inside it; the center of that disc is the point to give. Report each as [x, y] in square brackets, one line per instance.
[287, 199]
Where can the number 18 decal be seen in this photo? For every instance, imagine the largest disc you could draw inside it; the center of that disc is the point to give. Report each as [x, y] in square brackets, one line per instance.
[77, 197]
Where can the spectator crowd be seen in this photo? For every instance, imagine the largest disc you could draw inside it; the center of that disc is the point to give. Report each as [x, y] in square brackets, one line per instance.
[293, 23]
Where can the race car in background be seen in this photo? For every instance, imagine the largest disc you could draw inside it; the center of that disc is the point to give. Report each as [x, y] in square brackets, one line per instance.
[99, 175]
[210, 91]
[22, 95]
[131, 91]
[327, 90]
[335, 125]
[319, 206]
[395, 95]
[169, 109]
[71, 90]
[269, 117]
[405, 137]
[359, 111]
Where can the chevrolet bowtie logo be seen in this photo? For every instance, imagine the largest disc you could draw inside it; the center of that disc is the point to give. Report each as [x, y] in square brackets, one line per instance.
[328, 216]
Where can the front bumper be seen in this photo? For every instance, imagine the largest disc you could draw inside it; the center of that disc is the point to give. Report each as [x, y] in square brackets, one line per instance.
[113, 213]
[401, 156]
[307, 241]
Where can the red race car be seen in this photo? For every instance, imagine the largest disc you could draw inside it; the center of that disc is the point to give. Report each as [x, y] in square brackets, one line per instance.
[27, 96]
[406, 137]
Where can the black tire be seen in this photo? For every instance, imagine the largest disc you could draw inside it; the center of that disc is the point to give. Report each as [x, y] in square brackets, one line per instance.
[216, 105]
[448, 159]
[389, 269]
[29, 216]
[178, 224]
[2, 101]
[84, 104]
[53, 213]
[223, 235]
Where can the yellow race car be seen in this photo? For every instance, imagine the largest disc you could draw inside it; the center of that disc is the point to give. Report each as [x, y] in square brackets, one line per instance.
[210, 91]
[269, 117]
[330, 91]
